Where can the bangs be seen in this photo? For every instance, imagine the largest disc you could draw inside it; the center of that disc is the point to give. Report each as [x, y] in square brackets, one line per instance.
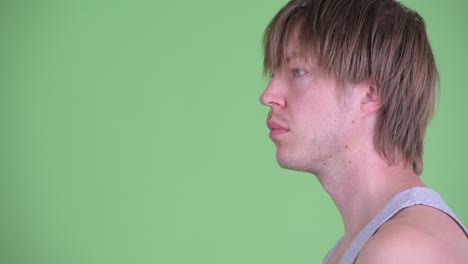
[284, 28]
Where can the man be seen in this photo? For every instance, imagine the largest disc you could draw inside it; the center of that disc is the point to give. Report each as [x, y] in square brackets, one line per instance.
[352, 89]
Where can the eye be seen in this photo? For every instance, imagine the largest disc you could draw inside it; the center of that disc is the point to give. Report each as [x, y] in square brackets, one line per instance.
[298, 72]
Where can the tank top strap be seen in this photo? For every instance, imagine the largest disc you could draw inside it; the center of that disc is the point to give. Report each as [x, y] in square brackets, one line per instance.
[404, 199]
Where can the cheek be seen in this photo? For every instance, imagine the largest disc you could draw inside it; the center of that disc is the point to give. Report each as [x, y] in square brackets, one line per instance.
[313, 110]
[319, 119]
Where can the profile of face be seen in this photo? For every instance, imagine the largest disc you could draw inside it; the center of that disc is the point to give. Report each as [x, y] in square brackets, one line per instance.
[310, 120]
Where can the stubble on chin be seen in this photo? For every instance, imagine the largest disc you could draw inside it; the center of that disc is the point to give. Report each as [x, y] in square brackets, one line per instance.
[313, 159]
[292, 161]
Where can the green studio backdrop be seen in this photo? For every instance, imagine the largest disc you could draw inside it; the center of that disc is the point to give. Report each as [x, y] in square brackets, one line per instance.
[131, 132]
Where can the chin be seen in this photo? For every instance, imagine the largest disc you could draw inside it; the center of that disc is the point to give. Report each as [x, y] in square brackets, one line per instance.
[297, 162]
[290, 162]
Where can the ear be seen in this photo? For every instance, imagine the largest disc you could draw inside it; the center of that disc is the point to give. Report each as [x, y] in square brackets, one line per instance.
[370, 100]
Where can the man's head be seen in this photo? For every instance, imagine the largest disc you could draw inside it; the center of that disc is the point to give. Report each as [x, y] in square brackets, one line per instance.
[376, 42]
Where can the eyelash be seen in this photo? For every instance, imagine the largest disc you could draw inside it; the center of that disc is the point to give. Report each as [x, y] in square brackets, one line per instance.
[296, 74]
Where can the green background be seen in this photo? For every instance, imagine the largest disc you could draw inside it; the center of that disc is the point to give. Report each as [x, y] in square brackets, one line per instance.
[131, 132]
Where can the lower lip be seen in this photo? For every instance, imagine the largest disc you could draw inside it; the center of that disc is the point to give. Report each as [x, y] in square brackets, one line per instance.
[277, 132]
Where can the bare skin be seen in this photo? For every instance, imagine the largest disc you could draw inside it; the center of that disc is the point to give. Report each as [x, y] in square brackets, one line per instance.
[418, 234]
[330, 133]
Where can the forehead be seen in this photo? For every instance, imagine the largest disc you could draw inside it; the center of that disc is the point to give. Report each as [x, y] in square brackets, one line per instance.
[286, 48]
[292, 49]
[294, 52]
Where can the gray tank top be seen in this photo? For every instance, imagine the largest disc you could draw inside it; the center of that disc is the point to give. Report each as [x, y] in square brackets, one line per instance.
[407, 198]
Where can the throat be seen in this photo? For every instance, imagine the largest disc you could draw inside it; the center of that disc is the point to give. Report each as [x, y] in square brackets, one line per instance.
[359, 198]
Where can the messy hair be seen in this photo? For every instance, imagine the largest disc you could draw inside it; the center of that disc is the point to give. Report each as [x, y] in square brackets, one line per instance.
[377, 41]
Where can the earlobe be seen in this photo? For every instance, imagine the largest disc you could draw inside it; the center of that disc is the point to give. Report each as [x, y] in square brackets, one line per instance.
[370, 102]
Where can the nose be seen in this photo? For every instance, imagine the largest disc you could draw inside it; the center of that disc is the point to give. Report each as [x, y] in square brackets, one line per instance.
[272, 95]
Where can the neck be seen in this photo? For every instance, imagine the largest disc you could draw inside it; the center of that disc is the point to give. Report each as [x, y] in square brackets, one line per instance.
[360, 194]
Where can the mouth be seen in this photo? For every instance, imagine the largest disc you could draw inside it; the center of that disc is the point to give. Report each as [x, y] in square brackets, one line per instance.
[276, 129]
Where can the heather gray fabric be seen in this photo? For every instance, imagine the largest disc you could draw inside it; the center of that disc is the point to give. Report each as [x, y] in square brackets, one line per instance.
[407, 198]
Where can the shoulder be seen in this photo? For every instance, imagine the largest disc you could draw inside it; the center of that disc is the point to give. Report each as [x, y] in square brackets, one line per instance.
[418, 234]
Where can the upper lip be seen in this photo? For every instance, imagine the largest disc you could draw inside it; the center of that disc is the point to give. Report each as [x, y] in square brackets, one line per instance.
[272, 125]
